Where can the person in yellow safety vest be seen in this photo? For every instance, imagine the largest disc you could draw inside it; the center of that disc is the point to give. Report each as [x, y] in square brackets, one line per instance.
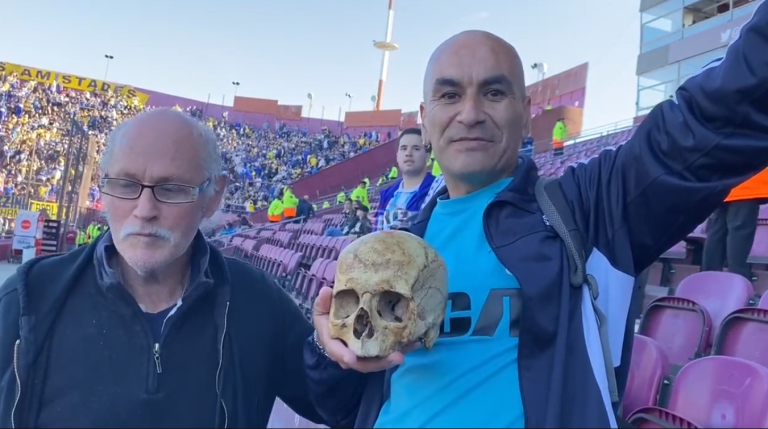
[81, 239]
[95, 232]
[361, 193]
[326, 204]
[275, 211]
[436, 171]
[341, 197]
[559, 135]
[290, 202]
[91, 232]
[393, 173]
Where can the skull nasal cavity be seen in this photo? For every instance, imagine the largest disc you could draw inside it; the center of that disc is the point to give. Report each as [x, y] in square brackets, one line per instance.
[392, 307]
[363, 325]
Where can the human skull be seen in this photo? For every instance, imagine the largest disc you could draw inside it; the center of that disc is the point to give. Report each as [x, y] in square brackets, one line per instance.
[391, 290]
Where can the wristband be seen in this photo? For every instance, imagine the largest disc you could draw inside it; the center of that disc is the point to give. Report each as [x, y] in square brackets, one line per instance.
[319, 347]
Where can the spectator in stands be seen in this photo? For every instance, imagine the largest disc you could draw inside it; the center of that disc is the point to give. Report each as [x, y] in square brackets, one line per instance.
[360, 193]
[731, 228]
[151, 291]
[623, 208]
[527, 147]
[304, 209]
[349, 221]
[360, 224]
[245, 222]
[406, 196]
[349, 208]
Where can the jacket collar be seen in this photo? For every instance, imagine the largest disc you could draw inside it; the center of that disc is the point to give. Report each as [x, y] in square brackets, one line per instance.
[520, 192]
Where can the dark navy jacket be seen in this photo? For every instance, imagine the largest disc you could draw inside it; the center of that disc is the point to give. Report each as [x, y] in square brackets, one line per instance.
[631, 205]
[414, 204]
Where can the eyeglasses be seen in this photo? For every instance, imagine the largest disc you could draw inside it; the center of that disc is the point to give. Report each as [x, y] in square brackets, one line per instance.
[169, 193]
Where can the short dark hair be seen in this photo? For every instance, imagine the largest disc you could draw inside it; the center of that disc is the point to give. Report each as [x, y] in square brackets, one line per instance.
[409, 131]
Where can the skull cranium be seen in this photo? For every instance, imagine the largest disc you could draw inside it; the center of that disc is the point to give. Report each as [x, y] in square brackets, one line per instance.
[391, 289]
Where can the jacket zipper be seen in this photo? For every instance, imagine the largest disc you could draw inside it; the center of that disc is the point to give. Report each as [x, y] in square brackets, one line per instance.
[221, 363]
[156, 353]
[18, 382]
[526, 410]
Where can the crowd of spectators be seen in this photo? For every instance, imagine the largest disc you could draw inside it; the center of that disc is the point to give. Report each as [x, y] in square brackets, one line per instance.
[260, 159]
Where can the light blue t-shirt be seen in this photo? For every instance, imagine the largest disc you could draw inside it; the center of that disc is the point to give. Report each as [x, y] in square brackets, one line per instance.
[396, 210]
[469, 379]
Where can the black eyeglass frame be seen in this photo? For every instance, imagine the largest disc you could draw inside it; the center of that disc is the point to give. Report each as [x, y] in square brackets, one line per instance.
[195, 194]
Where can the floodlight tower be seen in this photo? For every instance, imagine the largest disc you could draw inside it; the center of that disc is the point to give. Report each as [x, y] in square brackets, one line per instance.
[386, 46]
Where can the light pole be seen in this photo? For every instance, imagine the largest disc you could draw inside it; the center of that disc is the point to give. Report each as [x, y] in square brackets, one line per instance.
[373, 100]
[236, 84]
[349, 95]
[541, 70]
[106, 71]
[385, 46]
[310, 97]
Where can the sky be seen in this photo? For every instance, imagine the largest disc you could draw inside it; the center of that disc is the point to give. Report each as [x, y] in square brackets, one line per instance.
[284, 49]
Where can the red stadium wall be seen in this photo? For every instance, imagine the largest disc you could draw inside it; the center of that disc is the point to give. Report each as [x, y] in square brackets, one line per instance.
[256, 111]
[348, 172]
[566, 88]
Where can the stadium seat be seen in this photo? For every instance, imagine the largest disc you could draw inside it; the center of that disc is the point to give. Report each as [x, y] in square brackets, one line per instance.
[744, 334]
[684, 324]
[712, 392]
[648, 367]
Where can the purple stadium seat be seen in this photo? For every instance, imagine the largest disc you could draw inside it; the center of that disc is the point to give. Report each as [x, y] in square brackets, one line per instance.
[759, 252]
[649, 366]
[716, 392]
[763, 301]
[314, 282]
[700, 304]
[743, 334]
[678, 251]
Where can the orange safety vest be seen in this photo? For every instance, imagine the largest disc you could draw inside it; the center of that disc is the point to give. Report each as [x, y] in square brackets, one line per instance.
[275, 218]
[754, 188]
[289, 211]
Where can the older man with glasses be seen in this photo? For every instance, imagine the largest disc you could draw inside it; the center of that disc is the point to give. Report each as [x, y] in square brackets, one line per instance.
[150, 326]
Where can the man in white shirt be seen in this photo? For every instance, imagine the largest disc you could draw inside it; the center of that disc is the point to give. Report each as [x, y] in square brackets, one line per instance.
[406, 196]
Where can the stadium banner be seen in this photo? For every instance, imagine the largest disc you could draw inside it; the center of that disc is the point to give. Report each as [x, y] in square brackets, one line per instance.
[51, 208]
[71, 81]
[14, 202]
[12, 211]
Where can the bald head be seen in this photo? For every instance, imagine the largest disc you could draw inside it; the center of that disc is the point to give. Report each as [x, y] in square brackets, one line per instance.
[169, 127]
[475, 112]
[474, 45]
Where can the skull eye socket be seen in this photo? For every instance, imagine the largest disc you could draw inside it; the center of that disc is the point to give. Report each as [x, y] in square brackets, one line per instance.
[392, 307]
[346, 303]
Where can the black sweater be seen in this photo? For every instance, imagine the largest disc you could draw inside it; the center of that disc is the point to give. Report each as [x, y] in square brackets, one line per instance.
[84, 356]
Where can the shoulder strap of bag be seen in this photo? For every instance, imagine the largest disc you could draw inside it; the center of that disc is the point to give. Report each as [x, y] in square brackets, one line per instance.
[550, 197]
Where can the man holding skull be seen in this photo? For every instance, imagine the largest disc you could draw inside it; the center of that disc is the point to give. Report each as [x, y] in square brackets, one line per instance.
[519, 346]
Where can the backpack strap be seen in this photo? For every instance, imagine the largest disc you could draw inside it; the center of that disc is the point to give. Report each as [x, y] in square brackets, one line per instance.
[550, 197]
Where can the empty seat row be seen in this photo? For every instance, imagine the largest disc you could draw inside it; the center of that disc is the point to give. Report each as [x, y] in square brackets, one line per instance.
[316, 246]
[307, 283]
[711, 392]
[691, 323]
